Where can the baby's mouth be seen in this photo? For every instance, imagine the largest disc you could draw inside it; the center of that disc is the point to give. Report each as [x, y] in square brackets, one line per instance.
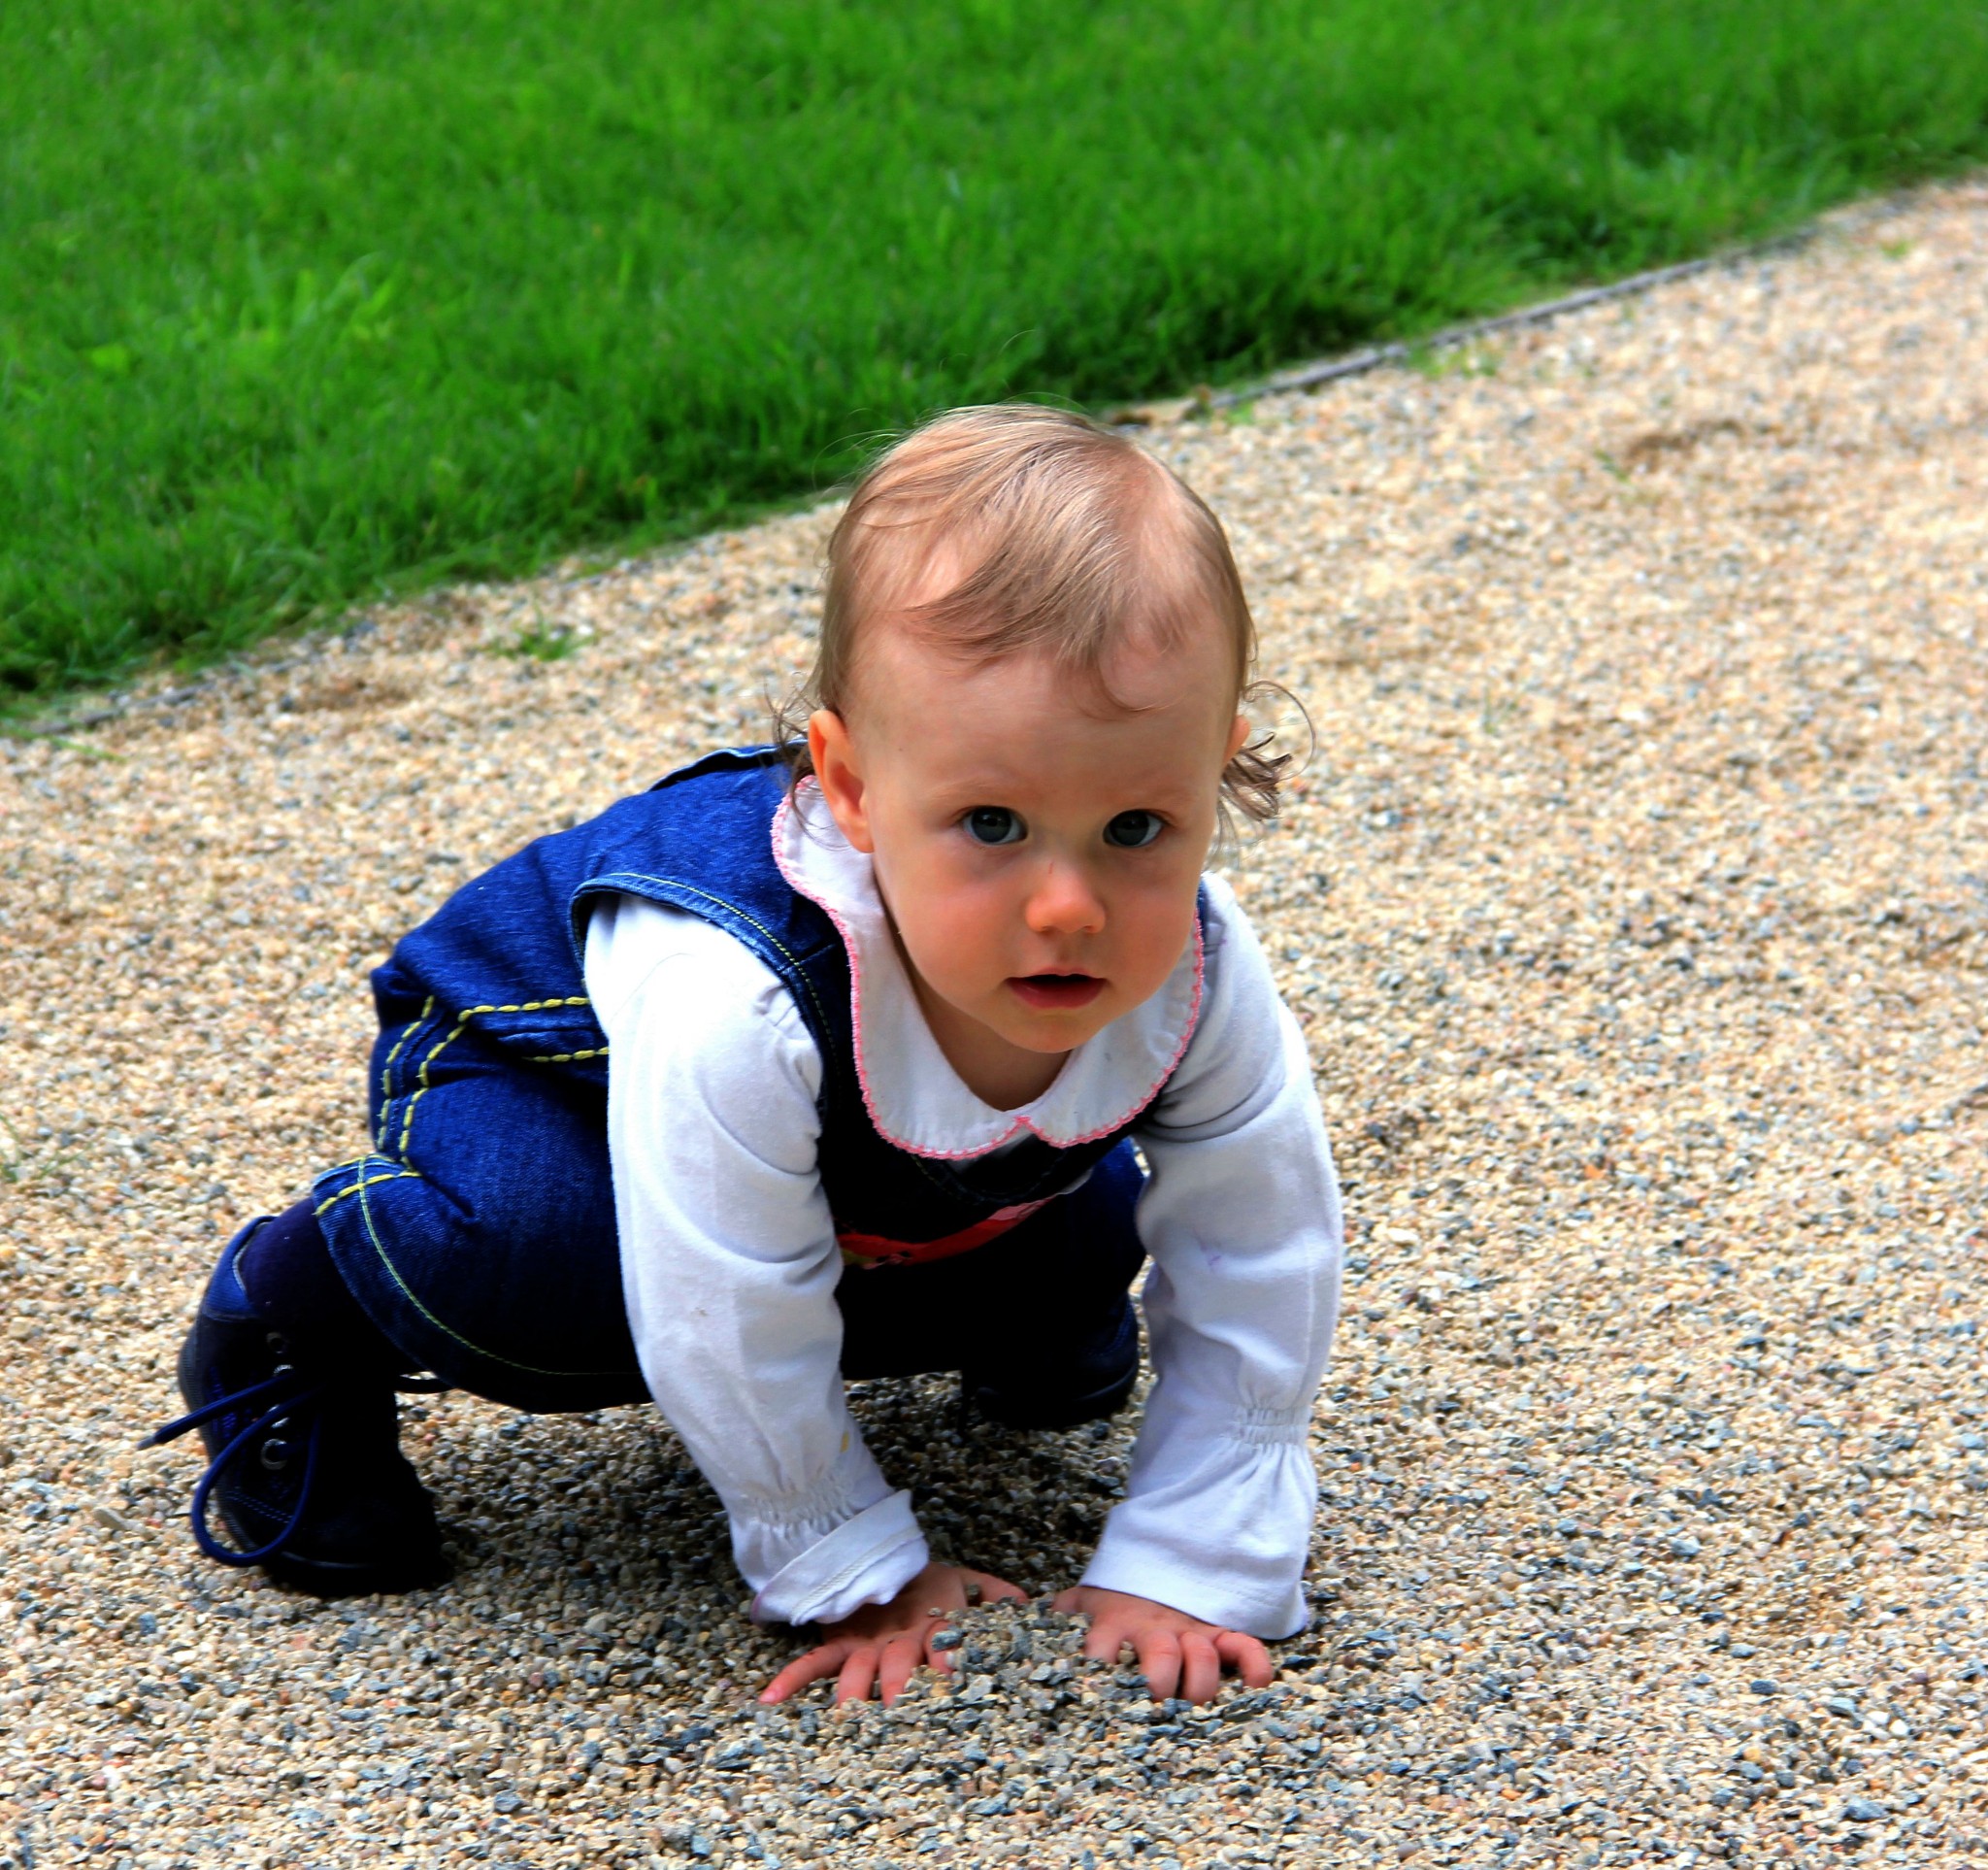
[1056, 993]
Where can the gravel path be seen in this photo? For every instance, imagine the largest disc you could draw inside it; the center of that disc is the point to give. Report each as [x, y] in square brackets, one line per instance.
[1637, 905]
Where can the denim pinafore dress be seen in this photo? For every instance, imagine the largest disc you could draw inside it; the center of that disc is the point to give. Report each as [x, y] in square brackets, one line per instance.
[477, 1231]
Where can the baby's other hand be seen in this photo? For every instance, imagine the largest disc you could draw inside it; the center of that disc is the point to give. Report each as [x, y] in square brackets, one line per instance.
[881, 1645]
[1176, 1653]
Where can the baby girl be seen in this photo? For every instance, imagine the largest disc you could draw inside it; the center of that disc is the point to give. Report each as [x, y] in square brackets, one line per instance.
[896, 1046]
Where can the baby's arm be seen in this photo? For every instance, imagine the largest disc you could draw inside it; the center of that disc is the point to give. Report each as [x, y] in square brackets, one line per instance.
[729, 1259]
[1241, 1218]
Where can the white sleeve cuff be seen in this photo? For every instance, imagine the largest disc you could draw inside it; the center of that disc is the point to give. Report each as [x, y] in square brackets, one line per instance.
[1217, 1516]
[867, 1559]
[1148, 1571]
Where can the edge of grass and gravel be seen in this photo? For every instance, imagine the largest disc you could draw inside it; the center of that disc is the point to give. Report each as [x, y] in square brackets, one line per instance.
[299, 313]
[154, 690]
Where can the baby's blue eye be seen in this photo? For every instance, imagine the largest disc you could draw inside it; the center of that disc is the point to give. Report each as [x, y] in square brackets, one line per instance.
[1129, 830]
[993, 825]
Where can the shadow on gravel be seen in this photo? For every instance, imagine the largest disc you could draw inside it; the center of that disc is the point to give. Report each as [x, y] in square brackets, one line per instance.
[609, 1504]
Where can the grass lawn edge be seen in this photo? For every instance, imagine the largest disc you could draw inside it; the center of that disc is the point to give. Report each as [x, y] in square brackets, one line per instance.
[149, 686]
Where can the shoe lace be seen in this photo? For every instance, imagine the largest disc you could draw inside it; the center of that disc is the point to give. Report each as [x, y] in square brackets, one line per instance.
[289, 1392]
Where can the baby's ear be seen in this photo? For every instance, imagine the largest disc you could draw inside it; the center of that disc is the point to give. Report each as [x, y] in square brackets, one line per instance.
[1237, 734]
[840, 776]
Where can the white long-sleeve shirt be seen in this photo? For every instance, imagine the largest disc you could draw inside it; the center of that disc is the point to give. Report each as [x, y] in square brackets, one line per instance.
[730, 1260]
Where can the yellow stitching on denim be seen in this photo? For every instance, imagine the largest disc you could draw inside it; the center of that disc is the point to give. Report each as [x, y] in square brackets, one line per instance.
[428, 1007]
[567, 1057]
[393, 1273]
[386, 1070]
[532, 1006]
[454, 1032]
[408, 1111]
[367, 1181]
[462, 1019]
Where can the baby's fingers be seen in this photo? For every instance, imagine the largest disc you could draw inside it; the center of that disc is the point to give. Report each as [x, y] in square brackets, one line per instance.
[823, 1659]
[1201, 1667]
[858, 1673]
[1103, 1641]
[1159, 1661]
[1248, 1658]
[899, 1662]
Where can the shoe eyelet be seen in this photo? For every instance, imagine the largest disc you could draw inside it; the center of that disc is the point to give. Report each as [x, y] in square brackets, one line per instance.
[275, 1454]
[278, 1343]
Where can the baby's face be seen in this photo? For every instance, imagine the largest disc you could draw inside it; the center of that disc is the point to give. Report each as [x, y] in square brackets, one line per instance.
[1038, 849]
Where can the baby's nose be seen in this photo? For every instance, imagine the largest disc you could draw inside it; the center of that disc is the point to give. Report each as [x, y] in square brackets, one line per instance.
[1064, 903]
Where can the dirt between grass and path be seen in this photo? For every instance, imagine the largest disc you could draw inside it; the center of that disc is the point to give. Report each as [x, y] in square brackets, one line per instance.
[1636, 904]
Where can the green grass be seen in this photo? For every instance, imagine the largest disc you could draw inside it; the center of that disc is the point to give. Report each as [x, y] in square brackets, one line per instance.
[302, 300]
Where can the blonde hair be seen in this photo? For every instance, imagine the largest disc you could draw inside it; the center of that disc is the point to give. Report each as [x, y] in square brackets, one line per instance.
[1070, 540]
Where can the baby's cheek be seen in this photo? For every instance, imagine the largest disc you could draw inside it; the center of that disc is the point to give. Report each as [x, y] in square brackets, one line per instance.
[976, 950]
[958, 944]
[1153, 933]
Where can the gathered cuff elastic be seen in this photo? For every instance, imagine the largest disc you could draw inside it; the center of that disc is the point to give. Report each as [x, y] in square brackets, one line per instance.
[867, 1559]
[1272, 1427]
[1217, 1529]
[852, 1486]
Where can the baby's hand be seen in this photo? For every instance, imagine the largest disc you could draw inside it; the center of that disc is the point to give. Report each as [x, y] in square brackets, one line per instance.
[881, 1645]
[1175, 1650]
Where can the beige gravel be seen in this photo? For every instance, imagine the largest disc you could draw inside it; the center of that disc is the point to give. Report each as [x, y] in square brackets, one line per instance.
[1636, 906]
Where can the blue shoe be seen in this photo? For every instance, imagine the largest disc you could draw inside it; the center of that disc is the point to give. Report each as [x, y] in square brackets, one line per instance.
[305, 1470]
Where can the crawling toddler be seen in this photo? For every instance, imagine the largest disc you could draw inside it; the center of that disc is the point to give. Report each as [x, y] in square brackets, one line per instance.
[837, 1058]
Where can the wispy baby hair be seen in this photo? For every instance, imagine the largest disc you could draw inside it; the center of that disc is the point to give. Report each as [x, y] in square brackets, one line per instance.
[1032, 530]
